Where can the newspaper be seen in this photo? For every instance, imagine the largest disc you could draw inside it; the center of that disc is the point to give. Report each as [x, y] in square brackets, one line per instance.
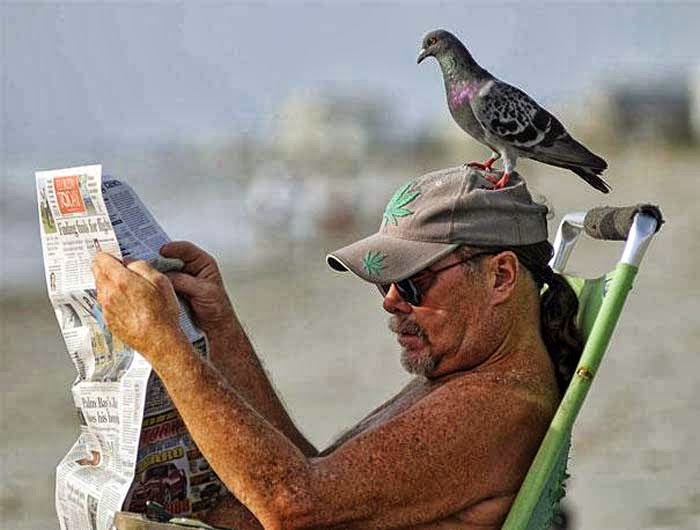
[133, 445]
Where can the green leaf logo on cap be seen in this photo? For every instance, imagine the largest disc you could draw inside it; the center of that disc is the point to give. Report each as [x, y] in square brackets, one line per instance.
[373, 263]
[397, 205]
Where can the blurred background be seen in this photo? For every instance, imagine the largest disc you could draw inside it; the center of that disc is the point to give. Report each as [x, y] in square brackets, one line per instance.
[273, 133]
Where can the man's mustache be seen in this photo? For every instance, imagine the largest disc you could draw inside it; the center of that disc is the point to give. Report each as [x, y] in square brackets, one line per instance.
[405, 326]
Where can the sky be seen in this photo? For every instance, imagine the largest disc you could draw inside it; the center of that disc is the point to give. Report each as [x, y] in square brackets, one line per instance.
[77, 76]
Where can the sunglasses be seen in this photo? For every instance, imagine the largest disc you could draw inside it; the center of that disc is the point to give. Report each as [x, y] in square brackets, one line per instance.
[414, 288]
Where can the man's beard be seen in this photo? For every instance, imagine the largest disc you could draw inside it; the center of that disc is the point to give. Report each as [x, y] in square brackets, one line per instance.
[423, 364]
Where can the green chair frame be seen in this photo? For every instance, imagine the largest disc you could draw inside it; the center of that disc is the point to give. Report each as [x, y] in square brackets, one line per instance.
[601, 301]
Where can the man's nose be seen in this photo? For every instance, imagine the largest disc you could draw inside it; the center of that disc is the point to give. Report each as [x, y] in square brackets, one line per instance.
[393, 303]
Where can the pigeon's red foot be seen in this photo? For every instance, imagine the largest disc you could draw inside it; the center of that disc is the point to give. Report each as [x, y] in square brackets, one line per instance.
[493, 179]
[503, 181]
[486, 166]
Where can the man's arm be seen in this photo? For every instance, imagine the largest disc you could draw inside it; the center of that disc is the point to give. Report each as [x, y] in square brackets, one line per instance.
[231, 351]
[433, 459]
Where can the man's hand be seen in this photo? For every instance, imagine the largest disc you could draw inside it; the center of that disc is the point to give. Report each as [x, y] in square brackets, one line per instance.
[201, 283]
[138, 302]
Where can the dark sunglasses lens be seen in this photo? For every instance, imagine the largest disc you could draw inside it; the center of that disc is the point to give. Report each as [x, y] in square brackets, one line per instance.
[406, 288]
[409, 292]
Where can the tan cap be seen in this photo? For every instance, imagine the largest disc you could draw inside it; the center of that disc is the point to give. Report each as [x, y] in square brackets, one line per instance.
[429, 217]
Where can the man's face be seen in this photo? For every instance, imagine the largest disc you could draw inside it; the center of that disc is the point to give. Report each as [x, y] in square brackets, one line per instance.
[443, 333]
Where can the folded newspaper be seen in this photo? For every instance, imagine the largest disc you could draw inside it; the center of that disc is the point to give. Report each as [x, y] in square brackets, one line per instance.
[133, 446]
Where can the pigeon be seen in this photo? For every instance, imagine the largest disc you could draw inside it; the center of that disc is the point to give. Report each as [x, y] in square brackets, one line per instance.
[504, 118]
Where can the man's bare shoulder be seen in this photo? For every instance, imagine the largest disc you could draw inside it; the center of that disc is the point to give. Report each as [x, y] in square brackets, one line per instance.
[498, 389]
[442, 446]
[501, 402]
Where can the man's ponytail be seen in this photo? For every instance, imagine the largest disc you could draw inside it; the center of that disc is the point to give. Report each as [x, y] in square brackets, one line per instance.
[558, 311]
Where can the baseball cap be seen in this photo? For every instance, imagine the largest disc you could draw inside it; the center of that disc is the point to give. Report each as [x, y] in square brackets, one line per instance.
[431, 216]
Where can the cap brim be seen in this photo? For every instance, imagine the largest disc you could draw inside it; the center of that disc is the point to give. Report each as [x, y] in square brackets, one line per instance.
[384, 259]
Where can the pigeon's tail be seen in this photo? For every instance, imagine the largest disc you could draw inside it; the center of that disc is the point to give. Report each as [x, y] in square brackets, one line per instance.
[591, 176]
[569, 154]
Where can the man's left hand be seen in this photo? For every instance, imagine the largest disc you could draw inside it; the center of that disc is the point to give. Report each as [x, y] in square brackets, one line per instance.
[138, 303]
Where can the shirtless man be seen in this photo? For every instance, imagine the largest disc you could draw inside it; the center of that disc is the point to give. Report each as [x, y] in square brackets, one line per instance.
[460, 269]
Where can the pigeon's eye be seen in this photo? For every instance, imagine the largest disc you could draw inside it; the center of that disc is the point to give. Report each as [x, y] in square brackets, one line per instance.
[431, 41]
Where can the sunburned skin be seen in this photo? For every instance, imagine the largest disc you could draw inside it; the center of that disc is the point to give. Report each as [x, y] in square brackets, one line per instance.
[449, 451]
[523, 400]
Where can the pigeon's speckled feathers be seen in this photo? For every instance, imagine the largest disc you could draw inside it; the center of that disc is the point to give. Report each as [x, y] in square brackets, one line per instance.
[504, 117]
[509, 115]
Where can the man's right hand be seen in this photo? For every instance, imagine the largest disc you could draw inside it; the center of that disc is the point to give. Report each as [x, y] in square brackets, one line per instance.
[201, 284]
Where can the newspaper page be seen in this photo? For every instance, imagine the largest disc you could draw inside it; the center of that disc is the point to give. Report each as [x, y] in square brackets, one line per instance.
[132, 446]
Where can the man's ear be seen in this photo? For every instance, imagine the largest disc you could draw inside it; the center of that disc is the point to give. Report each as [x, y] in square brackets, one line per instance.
[504, 269]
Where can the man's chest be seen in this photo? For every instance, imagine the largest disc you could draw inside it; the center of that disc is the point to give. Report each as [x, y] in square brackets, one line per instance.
[403, 401]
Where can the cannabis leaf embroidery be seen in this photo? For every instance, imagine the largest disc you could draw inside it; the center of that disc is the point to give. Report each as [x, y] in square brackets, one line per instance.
[397, 205]
[373, 263]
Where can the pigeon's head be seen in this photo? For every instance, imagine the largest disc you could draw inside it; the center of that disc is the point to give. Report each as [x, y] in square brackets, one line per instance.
[438, 42]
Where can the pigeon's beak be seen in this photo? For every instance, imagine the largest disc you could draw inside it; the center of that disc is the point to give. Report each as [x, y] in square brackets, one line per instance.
[423, 54]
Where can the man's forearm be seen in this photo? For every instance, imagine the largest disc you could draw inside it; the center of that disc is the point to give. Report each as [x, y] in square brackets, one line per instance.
[233, 355]
[257, 462]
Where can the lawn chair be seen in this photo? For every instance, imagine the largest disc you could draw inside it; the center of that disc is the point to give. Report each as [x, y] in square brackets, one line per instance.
[600, 304]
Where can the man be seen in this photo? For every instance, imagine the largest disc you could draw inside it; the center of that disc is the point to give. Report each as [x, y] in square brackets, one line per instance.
[460, 267]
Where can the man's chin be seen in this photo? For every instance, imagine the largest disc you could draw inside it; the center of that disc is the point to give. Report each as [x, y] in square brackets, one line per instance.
[418, 361]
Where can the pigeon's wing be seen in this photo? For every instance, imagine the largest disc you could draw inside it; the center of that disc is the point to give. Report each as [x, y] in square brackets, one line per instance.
[512, 117]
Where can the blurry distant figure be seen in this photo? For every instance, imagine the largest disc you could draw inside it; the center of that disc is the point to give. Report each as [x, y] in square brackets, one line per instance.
[270, 200]
[298, 208]
[504, 117]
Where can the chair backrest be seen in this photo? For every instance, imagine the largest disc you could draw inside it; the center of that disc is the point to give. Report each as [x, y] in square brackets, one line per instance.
[600, 303]
[590, 293]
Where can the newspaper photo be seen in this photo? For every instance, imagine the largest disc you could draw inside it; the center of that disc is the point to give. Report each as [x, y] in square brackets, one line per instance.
[132, 445]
